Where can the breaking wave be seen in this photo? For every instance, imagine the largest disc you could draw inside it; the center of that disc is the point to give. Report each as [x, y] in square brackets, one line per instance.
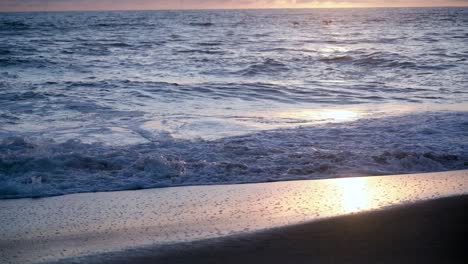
[435, 142]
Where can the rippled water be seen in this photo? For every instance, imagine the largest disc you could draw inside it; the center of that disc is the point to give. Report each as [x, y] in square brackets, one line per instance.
[93, 101]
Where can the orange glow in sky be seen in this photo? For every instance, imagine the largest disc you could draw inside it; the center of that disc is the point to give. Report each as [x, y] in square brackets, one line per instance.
[57, 5]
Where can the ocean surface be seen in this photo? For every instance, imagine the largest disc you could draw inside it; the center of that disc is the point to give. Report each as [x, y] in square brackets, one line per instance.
[103, 101]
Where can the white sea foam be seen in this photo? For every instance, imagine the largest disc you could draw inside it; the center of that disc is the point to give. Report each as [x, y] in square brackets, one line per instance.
[393, 145]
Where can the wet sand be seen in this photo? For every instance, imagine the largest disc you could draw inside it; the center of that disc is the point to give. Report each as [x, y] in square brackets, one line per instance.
[244, 223]
[426, 232]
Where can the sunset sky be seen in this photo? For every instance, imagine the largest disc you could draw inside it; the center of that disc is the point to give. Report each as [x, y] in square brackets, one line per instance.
[56, 5]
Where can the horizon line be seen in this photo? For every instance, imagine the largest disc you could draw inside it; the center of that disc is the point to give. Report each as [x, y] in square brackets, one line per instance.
[226, 9]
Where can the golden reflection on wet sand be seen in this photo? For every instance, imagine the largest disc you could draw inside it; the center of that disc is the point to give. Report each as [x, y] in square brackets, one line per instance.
[106, 222]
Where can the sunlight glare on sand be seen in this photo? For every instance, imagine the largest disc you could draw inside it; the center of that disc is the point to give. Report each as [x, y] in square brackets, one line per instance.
[354, 195]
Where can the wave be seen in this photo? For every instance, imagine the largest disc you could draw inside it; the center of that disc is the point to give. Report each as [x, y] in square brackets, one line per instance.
[117, 44]
[268, 66]
[210, 44]
[384, 60]
[202, 51]
[26, 61]
[22, 96]
[332, 59]
[5, 51]
[96, 90]
[392, 145]
[375, 20]
[86, 50]
[13, 26]
[201, 24]
[112, 25]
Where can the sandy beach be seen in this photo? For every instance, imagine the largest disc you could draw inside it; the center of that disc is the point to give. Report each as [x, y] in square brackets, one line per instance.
[173, 224]
[426, 232]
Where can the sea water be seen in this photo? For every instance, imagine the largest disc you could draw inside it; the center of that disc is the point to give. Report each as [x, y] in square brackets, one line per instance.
[102, 101]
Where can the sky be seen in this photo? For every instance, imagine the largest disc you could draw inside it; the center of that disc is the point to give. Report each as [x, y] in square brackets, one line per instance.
[60, 5]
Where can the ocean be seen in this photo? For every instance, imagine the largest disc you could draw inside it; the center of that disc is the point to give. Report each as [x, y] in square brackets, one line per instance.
[106, 101]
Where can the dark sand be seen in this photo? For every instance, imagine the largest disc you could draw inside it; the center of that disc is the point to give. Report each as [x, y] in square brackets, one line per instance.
[426, 232]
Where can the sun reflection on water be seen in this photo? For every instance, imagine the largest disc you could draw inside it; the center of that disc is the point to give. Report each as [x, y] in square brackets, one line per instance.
[338, 115]
[354, 195]
[334, 115]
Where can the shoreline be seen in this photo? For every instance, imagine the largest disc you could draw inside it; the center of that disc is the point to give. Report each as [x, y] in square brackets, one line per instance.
[90, 225]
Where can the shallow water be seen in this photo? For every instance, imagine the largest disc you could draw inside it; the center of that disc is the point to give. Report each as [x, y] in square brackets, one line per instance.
[94, 101]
